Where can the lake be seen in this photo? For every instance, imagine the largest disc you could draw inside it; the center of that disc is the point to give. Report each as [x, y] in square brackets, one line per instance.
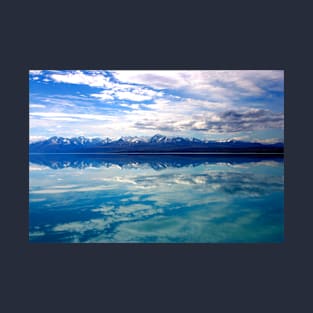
[156, 198]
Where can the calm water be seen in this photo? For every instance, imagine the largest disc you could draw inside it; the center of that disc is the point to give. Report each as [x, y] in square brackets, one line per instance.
[156, 198]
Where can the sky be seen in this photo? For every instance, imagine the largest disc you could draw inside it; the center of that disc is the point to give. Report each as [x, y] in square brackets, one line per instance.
[205, 104]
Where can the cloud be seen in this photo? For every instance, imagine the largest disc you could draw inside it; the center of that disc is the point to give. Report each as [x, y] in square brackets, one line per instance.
[37, 106]
[80, 78]
[269, 140]
[127, 95]
[132, 106]
[64, 119]
[156, 79]
[213, 84]
[36, 234]
[251, 119]
[238, 121]
[103, 95]
[81, 227]
[127, 92]
[223, 122]
[37, 200]
[35, 72]
[55, 189]
[204, 103]
[156, 125]
[59, 115]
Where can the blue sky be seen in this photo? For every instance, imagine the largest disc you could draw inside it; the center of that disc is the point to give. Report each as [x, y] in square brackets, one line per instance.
[214, 105]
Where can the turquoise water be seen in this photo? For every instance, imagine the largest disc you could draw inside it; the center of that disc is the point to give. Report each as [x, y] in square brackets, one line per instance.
[156, 199]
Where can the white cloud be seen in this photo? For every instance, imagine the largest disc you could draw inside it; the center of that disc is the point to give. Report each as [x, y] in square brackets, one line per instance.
[127, 95]
[216, 84]
[37, 106]
[103, 95]
[55, 115]
[35, 72]
[156, 79]
[132, 106]
[269, 140]
[127, 92]
[64, 119]
[78, 77]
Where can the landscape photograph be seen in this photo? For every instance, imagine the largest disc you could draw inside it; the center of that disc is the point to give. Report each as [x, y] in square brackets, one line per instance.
[156, 156]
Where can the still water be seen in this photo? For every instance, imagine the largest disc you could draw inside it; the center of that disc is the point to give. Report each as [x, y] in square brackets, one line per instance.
[156, 198]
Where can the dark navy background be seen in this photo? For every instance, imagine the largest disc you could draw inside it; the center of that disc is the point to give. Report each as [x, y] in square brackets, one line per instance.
[221, 278]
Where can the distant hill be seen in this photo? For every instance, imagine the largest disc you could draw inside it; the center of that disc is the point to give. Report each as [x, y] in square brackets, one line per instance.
[155, 144]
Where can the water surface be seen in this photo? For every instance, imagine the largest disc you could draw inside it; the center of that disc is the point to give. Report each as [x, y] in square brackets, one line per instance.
[156, 198]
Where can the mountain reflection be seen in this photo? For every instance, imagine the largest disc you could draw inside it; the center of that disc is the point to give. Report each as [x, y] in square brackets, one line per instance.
[157, 161]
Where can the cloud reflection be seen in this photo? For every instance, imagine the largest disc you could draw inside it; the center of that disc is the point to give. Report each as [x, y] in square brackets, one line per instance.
[209, 202]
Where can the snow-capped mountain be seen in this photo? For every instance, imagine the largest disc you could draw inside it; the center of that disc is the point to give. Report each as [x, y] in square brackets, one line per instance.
[133, 139]
[154, 144]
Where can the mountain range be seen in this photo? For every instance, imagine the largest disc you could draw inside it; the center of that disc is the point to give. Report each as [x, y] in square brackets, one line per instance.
[155, 144]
